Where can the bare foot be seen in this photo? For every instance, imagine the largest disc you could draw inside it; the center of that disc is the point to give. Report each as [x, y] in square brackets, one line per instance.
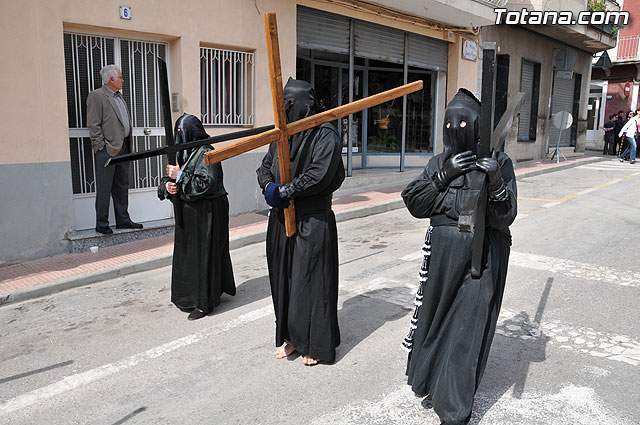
[309, 361]
[284, 351]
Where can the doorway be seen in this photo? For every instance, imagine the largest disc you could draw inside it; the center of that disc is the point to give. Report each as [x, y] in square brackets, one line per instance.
[85, 55]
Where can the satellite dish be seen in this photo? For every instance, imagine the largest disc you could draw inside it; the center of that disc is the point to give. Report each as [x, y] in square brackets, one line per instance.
[562, 120]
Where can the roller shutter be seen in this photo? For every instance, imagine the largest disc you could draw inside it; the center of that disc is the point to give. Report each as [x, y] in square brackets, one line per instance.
[378, 43]
[526, 86]
[329, 32]
[320, 30]
[563, 89]
[429, 53]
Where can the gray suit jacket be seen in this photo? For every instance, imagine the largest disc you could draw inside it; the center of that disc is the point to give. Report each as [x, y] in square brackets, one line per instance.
[105, 123]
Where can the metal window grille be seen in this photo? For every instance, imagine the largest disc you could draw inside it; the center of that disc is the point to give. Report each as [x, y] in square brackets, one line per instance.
[141, 92]
[628, 47]
[226, 87]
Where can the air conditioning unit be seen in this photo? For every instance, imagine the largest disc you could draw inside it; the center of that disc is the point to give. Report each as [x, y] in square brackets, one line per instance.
[564, 58]
[565, 75]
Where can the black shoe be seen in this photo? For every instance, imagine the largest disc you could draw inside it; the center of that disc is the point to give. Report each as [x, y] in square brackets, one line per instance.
[196, 314]
[632, 162]
[129, 225]
[105, 230]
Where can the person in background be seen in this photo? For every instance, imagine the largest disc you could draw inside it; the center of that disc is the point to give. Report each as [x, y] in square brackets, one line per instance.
[110, 133]
[620, 122]
[629, 132]
[609, 136]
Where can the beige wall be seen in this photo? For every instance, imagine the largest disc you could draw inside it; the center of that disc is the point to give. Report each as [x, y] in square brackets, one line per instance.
[32, 77]
[462, 72]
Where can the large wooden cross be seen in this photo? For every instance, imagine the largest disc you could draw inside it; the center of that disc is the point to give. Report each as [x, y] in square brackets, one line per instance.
[282, 130]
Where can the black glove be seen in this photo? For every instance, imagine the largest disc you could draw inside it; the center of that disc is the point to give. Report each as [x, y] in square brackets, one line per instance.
[453, 167]
[491, 167]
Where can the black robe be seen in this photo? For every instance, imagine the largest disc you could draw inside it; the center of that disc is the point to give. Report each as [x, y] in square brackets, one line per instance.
[201, 268]
[457, 318]
[303, 269]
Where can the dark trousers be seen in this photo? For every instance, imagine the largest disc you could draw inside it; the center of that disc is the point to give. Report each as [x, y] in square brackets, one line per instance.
[609, 145]
[624, 144]
[112, 181]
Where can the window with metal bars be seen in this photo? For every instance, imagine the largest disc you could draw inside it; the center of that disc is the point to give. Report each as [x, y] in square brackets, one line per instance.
[226, 87]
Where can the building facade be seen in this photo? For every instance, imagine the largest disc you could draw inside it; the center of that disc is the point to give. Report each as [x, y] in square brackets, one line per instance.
[615, 81]
[551, 64]
[216, 54]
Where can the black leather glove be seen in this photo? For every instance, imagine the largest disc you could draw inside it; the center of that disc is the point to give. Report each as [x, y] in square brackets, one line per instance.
[491, 167]
[453, 167]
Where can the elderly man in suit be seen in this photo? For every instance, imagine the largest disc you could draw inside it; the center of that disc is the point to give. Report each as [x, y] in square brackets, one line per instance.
[110, 132]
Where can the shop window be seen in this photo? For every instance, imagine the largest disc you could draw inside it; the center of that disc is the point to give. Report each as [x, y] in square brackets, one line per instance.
[226, 87]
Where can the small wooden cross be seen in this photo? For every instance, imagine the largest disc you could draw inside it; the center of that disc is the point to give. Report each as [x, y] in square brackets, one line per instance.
[282, 130]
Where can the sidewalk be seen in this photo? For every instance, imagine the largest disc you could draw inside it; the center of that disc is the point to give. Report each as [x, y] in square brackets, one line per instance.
[37, 278]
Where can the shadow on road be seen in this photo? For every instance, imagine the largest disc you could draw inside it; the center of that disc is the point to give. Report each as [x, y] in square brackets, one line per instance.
[35, 371]
[511, 356]
[363, 314]
[246, 293]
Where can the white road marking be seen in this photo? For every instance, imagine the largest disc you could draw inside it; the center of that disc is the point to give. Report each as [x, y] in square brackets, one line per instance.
[417, 255]
[589, 190]
[571, 405]
[551, 204]
[575, 269]
[84, 378]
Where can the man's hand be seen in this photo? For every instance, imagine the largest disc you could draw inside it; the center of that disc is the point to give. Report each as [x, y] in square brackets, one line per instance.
[491, 167]
[273, 198]
[172, 171]
[453, 167]
[172, 188]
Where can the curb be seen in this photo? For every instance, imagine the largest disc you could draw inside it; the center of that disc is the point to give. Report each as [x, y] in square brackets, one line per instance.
[234, 243]
[560, 167]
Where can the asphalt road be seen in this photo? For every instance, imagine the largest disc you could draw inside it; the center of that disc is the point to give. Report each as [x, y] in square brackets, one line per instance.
[567, 349]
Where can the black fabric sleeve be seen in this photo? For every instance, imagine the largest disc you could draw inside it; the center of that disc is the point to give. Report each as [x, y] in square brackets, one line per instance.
[197, 179]
[500, 214]
[264, 172]
[322, 168]
[420, 195]
[162, 188]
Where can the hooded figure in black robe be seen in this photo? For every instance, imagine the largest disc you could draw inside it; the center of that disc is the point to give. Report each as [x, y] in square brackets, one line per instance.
[303, 269]
[455, 316]
[201, 269]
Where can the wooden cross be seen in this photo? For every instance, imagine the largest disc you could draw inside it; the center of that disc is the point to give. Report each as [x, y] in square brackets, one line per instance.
[282, 130]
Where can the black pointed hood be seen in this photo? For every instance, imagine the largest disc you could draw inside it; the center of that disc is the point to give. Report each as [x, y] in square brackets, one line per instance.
[461, 129]
[188, 128]
[299, 102]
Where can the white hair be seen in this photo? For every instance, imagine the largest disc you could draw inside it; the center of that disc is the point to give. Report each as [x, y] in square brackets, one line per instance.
[108, 72]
